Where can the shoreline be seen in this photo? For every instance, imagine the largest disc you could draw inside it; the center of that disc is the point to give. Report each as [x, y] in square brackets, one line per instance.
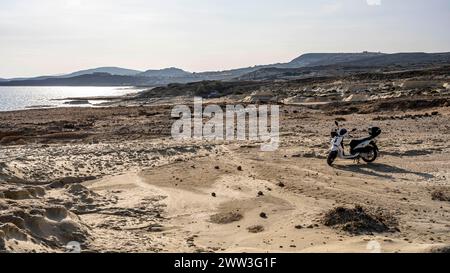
[86, 101]
[44, 101]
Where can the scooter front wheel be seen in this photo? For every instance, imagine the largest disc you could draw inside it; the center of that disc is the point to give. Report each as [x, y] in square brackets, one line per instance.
[331, 157]
[371, 156]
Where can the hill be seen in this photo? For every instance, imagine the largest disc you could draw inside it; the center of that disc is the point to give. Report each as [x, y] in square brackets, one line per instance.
[306, 65]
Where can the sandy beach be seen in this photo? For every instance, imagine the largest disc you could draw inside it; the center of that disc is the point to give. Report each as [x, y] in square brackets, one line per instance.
[113, 180]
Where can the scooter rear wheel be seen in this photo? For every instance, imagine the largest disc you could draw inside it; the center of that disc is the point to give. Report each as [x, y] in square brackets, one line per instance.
[331, 157]
[370, 156]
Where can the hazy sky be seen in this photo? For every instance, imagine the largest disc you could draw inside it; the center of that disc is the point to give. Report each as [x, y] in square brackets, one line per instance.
[48, 37]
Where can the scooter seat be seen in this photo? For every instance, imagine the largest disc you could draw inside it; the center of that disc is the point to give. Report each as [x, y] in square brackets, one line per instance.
[356, 142]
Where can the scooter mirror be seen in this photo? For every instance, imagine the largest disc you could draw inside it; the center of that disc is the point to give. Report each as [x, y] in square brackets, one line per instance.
[337, 123]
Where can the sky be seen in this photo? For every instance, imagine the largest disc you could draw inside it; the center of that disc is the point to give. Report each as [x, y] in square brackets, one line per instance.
[50, 37]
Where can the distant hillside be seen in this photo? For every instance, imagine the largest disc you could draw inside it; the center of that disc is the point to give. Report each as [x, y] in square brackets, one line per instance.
[110, 70]
[274, 73]
[323, 59]
[96, 79]
[403, 59]
[305, 60]
[171, 72]
[307, 65]
[335, 67]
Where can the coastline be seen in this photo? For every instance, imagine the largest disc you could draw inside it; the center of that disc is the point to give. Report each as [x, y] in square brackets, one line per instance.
[54, 100]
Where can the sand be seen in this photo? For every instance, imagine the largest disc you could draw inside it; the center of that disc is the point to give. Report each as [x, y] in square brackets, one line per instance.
[113, 180]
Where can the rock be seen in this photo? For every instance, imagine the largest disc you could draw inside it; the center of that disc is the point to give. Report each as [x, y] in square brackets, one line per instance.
[359, 220]
[56, 213]
[77, 102]
[17, 194]
[12, 231]
[39, 225]
[36, 191]
[225, 217]
[69, 180]
[442, 194]
[11, 218]
[255, 229]
[440, 249]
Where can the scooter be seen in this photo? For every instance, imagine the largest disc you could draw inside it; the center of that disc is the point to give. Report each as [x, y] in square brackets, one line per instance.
[365, 148]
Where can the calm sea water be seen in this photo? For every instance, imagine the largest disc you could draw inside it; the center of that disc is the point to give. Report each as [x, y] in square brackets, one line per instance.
[19, 98]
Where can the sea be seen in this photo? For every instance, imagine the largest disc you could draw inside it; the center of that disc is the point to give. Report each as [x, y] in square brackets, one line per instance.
[22, 98]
